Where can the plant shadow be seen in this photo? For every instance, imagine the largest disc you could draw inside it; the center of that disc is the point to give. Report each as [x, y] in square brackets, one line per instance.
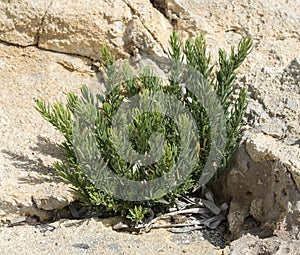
[44, 173]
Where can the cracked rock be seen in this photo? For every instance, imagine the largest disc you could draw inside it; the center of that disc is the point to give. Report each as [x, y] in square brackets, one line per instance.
[20, 21]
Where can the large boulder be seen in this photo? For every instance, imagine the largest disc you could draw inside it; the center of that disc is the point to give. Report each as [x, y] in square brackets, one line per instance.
[80, 27]
[263, 182]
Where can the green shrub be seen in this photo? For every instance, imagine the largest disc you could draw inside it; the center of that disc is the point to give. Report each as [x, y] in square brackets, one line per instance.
[123, 85]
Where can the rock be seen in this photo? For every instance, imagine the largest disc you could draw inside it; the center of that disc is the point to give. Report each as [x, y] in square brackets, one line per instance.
[273, 25]
[2, 213]
[264, 148]
[53, 196]
[275, 128]
[252, 245]
[153, 22]
[94, 236]
[263, 183]
[31, 210]
[264, 180]
[81, 28]
[141, 39]
[27, 142]
[274, 103]
[21, 21]
[190, 17]
[291, 80]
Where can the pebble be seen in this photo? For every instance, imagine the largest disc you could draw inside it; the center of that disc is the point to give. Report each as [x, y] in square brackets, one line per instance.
[2, 213]
[115, 247]
[81, 246]
[45, 227]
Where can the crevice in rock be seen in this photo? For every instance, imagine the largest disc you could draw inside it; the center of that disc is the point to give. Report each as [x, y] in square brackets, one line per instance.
[43, 49]
[37, 38]
[17, 45]
[161, 6]
[133, 12]
[38, 35]
[40, 31]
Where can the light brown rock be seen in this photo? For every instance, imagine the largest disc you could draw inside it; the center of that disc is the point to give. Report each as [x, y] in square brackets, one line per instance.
[21, 21]
[263, 183]
[262, 187]
[154, 23]
[82, 28]
[265, 148]
[274, 26]
[127, 27]
[27, 142]
[252, 245]
[53, 196]
[264, 178]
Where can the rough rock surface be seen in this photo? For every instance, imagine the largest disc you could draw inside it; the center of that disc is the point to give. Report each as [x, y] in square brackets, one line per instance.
[265, 174]
[252, 245]
[264, 194]
[27, 180]
[21, 21]
[81, 28]
[264, 181]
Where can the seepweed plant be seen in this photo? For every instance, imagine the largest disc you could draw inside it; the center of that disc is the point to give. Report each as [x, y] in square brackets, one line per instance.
[97, 116]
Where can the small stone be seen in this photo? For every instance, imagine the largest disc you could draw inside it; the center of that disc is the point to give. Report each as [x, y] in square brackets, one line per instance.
[2, 213]
[18, 221]
[56, 196]
[115, 247]
[45, 227]
[81, 246]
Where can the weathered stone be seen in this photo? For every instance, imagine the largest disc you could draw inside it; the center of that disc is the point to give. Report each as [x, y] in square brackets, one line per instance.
[66, 237]
[78, 28]
[152, 22]
[275, 103]
[83, 28]
[273, 25]
[21, 21]
[53, 196]
[252, 245]
[262, 184]
[264, 148]
[27, 142]
[264, 181]
[274, 128]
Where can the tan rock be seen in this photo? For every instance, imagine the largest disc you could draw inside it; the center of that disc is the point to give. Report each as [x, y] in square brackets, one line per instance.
[27, 142]
[261, 185]
[252, 245]
[53, 196]
[264, 148]
[153, 22]
[142, 40]
[94, 237]
[239, 16]
[274, 25]
[124, 26]
[82, 28]
[21, 21]
[264, 180]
